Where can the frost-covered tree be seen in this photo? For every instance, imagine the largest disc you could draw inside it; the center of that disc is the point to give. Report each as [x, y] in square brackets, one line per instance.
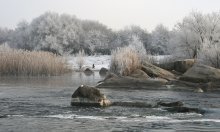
[70, 32]
[125, 36]
[57, 33]
[198, 36]
[21, 38]
[4, 35]
[138, 47]
[160, 40]
[97, 37]
[44, 30]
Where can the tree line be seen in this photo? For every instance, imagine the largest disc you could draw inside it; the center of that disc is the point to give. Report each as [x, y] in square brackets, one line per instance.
[67, 34]
[196, 36]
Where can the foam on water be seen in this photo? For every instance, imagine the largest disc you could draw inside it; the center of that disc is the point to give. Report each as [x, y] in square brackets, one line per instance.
[185, 115]
[15, 115]
[73, 116]
[137, 118]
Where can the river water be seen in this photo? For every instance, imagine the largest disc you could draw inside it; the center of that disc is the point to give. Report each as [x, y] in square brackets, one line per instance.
[42, 104]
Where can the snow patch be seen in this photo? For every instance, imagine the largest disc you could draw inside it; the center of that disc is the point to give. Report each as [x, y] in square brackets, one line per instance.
[98, 61]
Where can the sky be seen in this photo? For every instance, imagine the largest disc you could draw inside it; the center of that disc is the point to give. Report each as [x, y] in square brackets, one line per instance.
[116, 14]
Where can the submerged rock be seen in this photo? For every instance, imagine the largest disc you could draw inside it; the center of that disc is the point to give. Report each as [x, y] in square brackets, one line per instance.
[89, 96]
[185, 110]
[201, 74]
[133, 104]
[3, 116]
[170, 104]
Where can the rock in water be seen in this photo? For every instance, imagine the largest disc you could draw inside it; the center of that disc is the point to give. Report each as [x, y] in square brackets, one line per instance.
[198, 90]
[103, 71]
[88, 72]
[201, 74]
[89, 96]
[185, 110]
[171, 104]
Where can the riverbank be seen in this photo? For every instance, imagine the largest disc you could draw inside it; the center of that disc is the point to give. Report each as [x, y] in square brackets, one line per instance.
[99, 61]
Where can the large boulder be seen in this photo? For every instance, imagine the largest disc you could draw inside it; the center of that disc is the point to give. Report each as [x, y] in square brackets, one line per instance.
[200, 73]
[89, 96]
[183, 65]
[166, 65]
[113, 81]
[139, 74]
[154, 71]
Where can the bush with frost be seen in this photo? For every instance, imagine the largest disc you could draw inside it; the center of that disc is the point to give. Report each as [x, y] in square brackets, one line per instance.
[124, 61]
[80, 58]
[210, 56]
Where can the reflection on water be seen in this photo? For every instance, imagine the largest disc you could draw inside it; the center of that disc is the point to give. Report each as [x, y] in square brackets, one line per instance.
[67, 80]
[43, 104]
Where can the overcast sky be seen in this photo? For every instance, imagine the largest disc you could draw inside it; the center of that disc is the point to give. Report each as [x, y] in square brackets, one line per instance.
[116, 14]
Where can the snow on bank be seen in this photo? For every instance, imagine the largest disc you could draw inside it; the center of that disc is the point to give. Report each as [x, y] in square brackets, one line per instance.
[98, 61]
[102, 61]
[160, 58]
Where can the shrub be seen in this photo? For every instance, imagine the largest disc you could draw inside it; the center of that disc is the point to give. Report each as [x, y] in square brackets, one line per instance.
[80, 58]
[124, 61]
[210, 56]
[30, 63]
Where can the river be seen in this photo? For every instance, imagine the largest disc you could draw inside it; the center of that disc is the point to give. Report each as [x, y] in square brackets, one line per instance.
[42, 104]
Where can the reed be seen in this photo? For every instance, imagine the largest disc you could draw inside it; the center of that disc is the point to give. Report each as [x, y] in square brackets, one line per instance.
[124, 61]
[31, 63]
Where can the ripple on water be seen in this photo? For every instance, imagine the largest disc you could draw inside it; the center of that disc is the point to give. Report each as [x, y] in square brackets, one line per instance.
[174, 118]
[74, 116]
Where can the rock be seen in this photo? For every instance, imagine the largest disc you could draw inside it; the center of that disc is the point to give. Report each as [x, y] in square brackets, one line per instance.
[198, 90]
[131, 82]
[201, 74]
[3, 116]
[139, 74]
[133, 104]
[170, 104]
[89, 96]
[110, 75]
[154, 71]
[183, 65]
[103, 71]
[167, 66]
[185, 110]
[88, 71]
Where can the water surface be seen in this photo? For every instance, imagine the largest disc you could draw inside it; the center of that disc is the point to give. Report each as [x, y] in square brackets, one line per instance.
[43, 104]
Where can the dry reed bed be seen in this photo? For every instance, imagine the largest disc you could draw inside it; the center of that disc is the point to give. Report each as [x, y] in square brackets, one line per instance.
[30, 63]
